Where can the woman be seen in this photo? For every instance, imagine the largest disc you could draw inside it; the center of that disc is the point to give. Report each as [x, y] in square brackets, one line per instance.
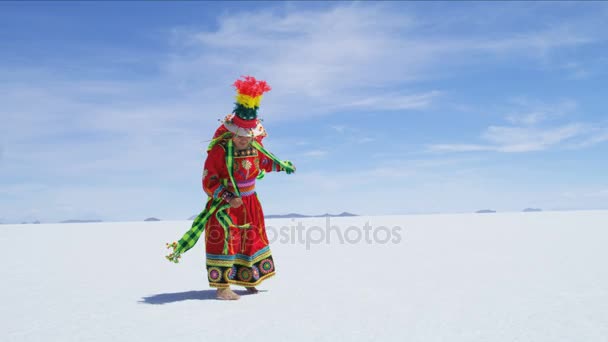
[236, 241]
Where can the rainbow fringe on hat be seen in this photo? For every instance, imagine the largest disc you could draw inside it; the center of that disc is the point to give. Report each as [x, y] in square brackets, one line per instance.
[249, 95]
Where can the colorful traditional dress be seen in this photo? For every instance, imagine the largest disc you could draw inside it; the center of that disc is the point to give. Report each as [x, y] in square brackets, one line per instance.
[236, 240]
[249, 260]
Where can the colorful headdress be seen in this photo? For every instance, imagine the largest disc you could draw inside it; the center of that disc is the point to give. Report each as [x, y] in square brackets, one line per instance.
[244, 118]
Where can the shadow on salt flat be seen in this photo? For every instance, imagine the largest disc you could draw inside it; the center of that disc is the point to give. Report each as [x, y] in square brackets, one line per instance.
[166, 298]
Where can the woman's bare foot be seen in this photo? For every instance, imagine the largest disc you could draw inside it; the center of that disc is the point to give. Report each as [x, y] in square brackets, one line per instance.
[252, 289]
[226, 294]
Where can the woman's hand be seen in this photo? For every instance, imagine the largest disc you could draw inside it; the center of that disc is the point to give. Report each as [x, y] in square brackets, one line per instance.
[236, 202]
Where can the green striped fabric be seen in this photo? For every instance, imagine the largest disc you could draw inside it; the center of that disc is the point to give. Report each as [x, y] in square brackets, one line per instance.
[191, 237]
[285, 164]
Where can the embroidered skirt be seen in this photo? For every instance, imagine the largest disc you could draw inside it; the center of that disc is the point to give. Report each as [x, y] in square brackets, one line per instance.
[249, 260]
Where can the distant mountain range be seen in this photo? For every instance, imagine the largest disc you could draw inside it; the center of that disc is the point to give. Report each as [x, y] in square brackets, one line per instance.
[295, 215]
[485, 211]
[93, 221]
[290, 215]
[489, 211]
[80, 221]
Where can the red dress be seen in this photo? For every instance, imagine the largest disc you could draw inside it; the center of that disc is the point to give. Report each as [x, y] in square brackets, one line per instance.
[249, 260]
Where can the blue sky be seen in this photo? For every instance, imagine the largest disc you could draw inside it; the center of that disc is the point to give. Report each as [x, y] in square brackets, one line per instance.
[385, 108]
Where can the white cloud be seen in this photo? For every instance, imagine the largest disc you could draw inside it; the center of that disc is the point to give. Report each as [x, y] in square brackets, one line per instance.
[353, 134]
[460, 147]
[524, 139]
[530, 113]
[518, 139]
[365, 140]
[395, 101]
[315, 153]
[350, 56]
[596, 136]
[529, 118]
[576, 70]
[338, 128]
[533, 129]
[539, 43]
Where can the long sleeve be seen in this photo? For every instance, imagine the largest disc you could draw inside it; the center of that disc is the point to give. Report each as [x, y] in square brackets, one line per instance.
[268, 164]
[213, 173]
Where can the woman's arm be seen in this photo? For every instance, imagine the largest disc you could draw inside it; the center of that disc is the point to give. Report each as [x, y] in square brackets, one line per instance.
[213, 172]
[269, 165]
